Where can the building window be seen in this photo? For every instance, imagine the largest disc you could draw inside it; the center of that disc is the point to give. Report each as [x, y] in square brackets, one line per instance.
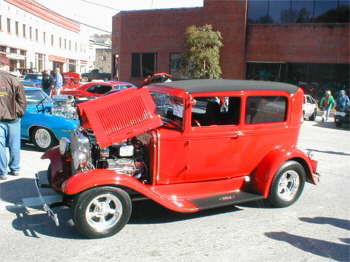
[0, 23]
[76, 47]
[65, 43]
[44, 37]
[8, 25]
[24, 31]
[13, 50]
[312, 77]
[70, 45]
[60, 42]
[297, 11]
[175, 65]
[143, 64]
[23, 52]
[16, 28]
[36, 35]
[30, 33]
[266, 109]
[52, 40]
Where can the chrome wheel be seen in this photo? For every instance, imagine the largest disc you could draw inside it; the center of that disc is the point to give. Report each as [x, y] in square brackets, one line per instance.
[104, 212]
[42, 138]
[288, 185]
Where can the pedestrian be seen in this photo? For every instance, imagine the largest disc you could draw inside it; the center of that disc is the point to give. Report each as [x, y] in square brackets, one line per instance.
[12, 107]
[47, 82]
[58, 81]
[342, 101]
[326, 104]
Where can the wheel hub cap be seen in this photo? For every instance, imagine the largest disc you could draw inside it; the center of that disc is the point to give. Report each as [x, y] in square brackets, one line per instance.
[288, 185]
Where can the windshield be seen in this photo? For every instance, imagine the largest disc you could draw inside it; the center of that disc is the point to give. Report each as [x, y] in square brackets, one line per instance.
[170, 108]
[35, 96]
[33, 77]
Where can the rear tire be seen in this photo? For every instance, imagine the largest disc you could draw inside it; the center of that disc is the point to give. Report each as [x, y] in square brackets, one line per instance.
[101, 212]
[287, 184]
[313, 116]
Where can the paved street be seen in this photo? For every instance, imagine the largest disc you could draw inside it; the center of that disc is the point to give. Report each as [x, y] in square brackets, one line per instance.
[316, 228]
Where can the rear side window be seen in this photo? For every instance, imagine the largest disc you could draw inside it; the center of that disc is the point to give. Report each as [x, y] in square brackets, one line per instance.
[266, 109]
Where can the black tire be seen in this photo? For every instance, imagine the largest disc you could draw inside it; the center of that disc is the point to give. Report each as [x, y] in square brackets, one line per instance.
[278, 196]
[85, 202]
[313, 116]
[49, 139]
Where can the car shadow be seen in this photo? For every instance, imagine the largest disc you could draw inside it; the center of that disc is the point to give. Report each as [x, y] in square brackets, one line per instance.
[27, 146]
[157, 214]
[329, 152]
[317, 247]
[337, 222]
[330, 124]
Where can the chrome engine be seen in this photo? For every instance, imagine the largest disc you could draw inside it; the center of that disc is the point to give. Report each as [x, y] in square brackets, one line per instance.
[64, 106]
[129, 157]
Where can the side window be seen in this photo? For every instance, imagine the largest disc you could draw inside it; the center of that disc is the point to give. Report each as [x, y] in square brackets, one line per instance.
[266, 109]
[92, 88]
[102, 89]
[223, 110]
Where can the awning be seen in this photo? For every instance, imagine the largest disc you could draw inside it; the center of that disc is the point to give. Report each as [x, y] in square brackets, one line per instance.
[57, 58]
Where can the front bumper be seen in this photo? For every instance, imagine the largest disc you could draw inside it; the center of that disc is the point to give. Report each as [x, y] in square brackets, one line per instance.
[47, 206]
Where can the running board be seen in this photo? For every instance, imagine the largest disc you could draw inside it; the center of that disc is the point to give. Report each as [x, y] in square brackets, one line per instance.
[231, 198]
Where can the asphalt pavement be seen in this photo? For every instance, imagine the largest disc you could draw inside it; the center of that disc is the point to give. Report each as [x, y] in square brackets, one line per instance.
[315, 228]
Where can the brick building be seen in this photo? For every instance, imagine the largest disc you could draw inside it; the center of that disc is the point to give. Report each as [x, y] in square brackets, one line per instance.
[302, 42]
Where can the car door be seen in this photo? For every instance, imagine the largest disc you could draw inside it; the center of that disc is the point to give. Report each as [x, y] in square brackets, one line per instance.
[215, 139]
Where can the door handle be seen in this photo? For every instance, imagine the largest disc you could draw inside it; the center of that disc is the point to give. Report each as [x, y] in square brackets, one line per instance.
[237, 134]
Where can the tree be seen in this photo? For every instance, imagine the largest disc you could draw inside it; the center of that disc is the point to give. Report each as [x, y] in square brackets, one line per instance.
[202, 56]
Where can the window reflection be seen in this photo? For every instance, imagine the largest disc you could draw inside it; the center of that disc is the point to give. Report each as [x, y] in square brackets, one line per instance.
[298, 11]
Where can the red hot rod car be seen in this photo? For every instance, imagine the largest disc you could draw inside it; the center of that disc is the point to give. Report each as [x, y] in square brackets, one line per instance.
[187, 145]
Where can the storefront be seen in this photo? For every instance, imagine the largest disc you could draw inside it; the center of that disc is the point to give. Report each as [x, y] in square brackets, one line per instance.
[57, 62]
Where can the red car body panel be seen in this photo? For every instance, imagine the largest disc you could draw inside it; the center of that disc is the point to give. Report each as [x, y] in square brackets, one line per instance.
[195, 162]
[82, 90]
[112, 123]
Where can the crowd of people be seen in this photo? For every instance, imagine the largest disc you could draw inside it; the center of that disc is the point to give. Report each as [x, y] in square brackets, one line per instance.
[327, 103]
[52, 83]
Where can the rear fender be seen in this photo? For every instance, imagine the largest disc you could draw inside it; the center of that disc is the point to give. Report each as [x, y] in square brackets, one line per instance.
[268, 167]
[104, 177]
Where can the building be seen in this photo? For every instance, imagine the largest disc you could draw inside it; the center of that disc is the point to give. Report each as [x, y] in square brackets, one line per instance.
[35, 38]
[302, 42]
[101, 52]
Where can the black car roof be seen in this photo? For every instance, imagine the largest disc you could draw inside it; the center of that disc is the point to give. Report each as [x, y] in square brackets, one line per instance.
[224, 85]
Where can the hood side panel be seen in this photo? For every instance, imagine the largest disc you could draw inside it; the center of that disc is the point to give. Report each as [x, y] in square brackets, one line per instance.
[119, 116]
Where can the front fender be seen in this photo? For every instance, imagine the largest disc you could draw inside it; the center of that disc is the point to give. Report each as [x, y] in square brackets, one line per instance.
[268, 167]
[104, 177]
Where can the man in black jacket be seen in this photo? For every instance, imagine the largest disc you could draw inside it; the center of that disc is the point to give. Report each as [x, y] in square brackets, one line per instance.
[47, 82]
[12, 107]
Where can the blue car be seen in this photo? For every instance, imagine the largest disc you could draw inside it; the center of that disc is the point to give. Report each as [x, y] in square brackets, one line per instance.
[32, 79]
[47, 120]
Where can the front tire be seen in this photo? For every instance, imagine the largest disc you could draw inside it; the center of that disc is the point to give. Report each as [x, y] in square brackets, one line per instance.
[313, 116]
[101, 212]
[287, 184]
[43, 138]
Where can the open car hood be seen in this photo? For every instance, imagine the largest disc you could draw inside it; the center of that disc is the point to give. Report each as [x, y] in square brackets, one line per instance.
[119, 116]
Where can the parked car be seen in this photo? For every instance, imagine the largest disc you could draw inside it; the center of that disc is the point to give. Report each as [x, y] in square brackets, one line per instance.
[96, 89]
[95, 74]
[32, 79]
[71, 80]
[157, 78]
[160, 143]
[309, 108]
[47, 120]
[342, 118]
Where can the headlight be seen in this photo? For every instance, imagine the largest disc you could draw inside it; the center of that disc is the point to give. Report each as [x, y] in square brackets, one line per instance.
[64, 145]
[126, 151]
[80, 160]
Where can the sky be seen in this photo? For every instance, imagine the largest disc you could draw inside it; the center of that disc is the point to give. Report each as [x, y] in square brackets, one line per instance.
[98, 13]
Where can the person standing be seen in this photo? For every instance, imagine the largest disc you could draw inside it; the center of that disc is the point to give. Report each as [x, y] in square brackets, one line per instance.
[12, 107]
[58, 81]
[47, 82]
[342, 101]
[326, 104]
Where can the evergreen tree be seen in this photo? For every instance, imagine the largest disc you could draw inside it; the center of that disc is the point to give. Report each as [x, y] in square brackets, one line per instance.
[202, 56]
